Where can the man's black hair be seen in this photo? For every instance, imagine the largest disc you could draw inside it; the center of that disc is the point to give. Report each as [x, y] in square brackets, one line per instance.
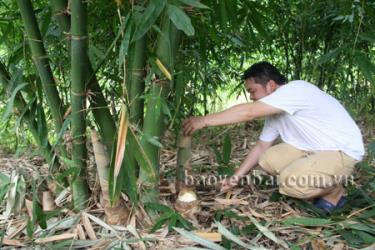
[263, 72]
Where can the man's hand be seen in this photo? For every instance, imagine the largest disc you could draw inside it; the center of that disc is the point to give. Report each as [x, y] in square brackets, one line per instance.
[193, 124]
[229, 183]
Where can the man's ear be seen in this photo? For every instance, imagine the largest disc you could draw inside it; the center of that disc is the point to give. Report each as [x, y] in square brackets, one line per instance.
[273, 85]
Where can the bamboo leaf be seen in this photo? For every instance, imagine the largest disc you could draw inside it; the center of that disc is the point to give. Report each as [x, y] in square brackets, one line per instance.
[149, 17]
[10, 103]
[16, 194]
[185, 223]
[329, 56]
[75, 244]
[59, 237]
[180, 19]
[62, 224]
[3, 191]
[257, 20]
[268, 233]
[200, 240]
[160, 222]
[305, 221]
[121, 140]
[26, 109]
[38, 215]
[159, 207]
[365, 66]
[366, 237]
[229, 235]
[100, 222]
[163, 69]
[295, 247]
[141, 157]
[153, 140]
[371, 148]
[359, 226]
[29, 228]
[352, 239]
[219, 158]
[165, 108]
[194, 3]
[124, 47]
[4, 179]
[62, 131]
[172, 223]
[367, 37]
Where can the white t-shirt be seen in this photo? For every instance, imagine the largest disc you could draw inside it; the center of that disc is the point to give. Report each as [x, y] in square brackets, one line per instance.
[312, 121]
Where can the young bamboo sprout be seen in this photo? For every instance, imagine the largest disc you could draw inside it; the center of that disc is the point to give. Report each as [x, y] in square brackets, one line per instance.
[187, 202]
[116, 214]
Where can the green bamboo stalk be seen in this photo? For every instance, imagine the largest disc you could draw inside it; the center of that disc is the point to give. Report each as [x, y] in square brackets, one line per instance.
[60, 11]
[136, 84]
[100, 110]
[183, 160]
[79, 59]
[19, 107]
[154, 124]
[41, 61]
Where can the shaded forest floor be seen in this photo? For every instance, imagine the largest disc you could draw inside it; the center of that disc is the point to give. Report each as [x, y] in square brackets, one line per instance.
[255, 213]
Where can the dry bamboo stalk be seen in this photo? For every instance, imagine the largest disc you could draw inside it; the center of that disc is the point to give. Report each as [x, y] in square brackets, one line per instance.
[88, 227]
[65, 236]
[48, 201]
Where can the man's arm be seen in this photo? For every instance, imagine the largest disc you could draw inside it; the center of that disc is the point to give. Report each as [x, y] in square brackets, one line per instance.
[236, 114]
[250, 161]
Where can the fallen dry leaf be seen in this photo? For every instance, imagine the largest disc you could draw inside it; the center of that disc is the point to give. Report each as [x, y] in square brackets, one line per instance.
[212, 236]
[9, 242]
[65, 236]
[231, 201]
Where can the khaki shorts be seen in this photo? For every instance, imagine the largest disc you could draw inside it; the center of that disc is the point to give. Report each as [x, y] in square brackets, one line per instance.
[305, 174]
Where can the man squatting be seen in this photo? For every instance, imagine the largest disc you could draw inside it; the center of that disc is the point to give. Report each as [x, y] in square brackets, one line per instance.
[319, 138]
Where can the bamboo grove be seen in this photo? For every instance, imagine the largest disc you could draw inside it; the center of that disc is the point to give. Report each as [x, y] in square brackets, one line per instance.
[133, 69]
